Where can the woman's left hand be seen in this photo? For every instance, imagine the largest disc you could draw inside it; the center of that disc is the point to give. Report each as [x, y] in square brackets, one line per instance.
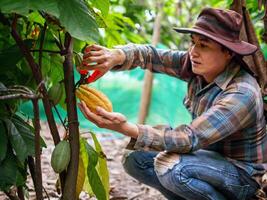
[110, 120]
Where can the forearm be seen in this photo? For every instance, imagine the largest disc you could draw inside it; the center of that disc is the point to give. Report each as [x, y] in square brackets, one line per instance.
[156, 60]
[128, 129]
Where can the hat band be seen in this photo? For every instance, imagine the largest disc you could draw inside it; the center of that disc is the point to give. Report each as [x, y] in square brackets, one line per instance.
[211, 25]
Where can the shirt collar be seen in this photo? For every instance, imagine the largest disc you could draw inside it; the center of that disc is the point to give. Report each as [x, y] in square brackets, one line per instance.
[223, 79]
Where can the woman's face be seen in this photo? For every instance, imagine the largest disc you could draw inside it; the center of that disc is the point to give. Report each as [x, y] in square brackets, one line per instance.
[207, 57]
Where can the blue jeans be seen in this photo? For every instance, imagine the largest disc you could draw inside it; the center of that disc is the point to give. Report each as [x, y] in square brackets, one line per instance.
[202, 175]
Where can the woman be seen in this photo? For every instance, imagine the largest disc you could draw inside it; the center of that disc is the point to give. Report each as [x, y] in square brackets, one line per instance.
[220, 154]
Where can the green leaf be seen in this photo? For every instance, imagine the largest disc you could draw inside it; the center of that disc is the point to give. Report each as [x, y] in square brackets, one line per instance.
[16, 140]
[5, 55]
[265, 99]
[8, 171]
[27, 133]
[92, 155]
[10, 6]
[102, 5]
[99, 19]
[93, 176]
[10, 56]
[76, 18]
[23, 7]
[36, 17]
[96, 183]
[3, 141]
[84, 156]
[49, 6]
[102, 167]
[21, 175]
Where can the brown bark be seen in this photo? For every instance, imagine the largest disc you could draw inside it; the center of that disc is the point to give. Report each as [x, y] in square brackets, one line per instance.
[20, 193]
[72, 171]
[38, 170]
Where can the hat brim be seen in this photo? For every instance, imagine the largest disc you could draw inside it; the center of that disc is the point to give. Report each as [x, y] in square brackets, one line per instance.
[242, 48]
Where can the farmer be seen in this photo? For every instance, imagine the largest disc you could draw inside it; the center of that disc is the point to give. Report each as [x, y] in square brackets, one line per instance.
[222, 153]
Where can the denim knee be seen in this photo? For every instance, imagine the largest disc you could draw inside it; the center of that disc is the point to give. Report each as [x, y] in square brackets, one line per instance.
[128, 161]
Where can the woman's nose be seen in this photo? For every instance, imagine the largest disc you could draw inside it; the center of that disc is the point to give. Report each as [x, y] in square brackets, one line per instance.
[193, 50]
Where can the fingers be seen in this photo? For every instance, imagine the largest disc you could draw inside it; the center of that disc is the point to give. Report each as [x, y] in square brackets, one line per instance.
[93, 47]
[102, 67]
[96, 119]
[94, 59]
[92, 53]
[86, 112]
[112, 116]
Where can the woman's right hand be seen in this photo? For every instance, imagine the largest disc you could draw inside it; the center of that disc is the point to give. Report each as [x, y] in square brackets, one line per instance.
[102, 59]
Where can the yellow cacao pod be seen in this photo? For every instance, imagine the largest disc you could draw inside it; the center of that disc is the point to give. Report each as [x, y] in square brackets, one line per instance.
[93, 98]
[80, 178]
[60, 156]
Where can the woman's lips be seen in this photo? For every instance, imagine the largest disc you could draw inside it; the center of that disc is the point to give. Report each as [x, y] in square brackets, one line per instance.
[195, 62]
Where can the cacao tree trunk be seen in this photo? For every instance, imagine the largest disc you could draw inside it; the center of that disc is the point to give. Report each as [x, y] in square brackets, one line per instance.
[72, 171]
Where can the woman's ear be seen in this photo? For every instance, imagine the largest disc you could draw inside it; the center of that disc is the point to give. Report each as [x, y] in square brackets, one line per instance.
[229, 54]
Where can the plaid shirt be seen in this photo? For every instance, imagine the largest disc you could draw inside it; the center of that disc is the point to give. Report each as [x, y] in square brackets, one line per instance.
[227, 113]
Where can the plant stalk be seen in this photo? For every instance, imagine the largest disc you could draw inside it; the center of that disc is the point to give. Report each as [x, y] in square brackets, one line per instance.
[69, 192]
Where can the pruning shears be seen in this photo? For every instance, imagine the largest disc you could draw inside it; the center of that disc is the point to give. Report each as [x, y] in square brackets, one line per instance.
[86, 77]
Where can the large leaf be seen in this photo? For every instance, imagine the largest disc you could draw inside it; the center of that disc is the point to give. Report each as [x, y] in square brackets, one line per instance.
[8, 171]
[84, 156]
[27, 133]
[9, 57]
[93, 176]
[23, 7]
[10, 73]
[102, 167]
[52, 67]
[3, 141]
[102, 5]
[16, 140]
[76, 18]
[98, 18]
[21, 175]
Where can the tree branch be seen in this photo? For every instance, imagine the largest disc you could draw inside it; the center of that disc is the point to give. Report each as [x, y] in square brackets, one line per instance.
[38, 170]
[72, 171]
[38, 78]
[20, 193]
[32, 169]
[46, 50]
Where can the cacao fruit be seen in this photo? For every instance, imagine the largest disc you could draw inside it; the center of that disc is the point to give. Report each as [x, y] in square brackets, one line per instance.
[93, 98]
[60, 156]
[55, 93]
[78, 60]
[80, 178]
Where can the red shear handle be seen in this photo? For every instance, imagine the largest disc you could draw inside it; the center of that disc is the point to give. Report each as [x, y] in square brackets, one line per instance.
[83, 71]
[94, 76]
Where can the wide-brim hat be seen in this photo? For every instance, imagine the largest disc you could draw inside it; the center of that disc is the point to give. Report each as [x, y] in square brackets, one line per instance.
[222, 26]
